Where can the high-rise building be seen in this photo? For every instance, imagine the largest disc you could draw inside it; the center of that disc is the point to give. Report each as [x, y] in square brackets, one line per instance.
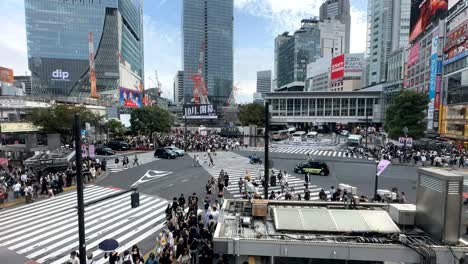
[338, 10]
[208, 31]
[294, 52]
[263, 82]
[387, 30]
[179, 87]
[23, 82]
[58, 46]
[332, 38]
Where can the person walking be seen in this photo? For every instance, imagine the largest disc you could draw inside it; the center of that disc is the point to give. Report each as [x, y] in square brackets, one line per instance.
[151, 259]
[135, 161]
[461, 162]
[240, 184]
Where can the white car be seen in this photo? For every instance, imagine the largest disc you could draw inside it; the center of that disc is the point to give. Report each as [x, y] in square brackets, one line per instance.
[178, 151]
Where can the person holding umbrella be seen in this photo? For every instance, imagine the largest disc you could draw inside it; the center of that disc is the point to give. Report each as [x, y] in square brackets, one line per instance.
[109, 246]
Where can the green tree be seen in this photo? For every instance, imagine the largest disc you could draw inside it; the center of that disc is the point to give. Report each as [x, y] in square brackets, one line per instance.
[408, 110]
[60, 120]
[115, 127]
[147, 120]
[252, 114]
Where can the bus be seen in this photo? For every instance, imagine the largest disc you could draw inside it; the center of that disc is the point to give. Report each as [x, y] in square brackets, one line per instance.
[299, 136]
[354, 141]
[279, 135]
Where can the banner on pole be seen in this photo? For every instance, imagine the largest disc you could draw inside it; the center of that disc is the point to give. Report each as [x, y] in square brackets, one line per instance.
[383, 164]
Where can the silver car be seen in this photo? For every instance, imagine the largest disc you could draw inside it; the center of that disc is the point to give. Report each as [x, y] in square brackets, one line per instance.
[178, 151]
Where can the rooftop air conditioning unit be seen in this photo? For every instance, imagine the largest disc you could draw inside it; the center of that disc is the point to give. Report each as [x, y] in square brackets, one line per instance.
[402, 214]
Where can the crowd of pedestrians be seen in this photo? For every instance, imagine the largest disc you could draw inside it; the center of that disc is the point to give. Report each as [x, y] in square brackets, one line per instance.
[35, 183]
[198, 143]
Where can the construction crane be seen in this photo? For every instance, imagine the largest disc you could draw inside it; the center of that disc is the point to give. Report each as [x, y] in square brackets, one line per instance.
[158, 83]
[231, 103]
[92, 70]
[200, 91]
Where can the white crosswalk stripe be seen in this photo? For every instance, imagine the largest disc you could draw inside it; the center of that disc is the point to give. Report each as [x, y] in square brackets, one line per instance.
[236, 166]
[46, 231]
[307, 151]
[143, 158]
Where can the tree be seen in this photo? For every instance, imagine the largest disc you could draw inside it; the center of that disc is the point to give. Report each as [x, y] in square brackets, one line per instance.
[408, 110]
[115, 127]
[60, 120]
[252, 114]
[147, 120]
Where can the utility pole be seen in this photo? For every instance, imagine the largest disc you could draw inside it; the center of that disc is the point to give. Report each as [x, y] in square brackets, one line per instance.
[405, 131]
[266, 136]
[79, 190]
[367, 127]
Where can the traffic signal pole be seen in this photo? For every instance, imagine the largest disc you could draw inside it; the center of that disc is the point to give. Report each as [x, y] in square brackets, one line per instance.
[79, 190]
[266, 136]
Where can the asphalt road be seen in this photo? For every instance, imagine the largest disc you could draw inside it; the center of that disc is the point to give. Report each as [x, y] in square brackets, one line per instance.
[358, 173]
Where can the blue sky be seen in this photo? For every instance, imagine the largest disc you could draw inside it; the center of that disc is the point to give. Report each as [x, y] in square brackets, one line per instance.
[256, 23]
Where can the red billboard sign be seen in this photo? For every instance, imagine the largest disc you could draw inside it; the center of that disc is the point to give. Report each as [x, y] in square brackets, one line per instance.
[337, 67]
[423, 12]
[6, 75]
[413, 55]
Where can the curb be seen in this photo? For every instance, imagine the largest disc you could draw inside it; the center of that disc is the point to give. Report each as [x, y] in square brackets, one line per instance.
[22, 200]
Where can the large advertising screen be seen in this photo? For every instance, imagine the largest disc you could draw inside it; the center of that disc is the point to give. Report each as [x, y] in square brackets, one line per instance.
[200, 111]
[456, 45]
[130, 98]
[451, 3]
[432, 82]
[423, 12]
[6, 75]
[337, 67]
[413, 55]
[353, 65]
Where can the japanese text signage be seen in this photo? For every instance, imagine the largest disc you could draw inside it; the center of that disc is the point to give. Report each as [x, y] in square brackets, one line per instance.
[337, 67]
[200, 111]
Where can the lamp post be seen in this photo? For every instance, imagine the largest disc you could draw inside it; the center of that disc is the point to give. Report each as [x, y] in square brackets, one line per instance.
[405, 131]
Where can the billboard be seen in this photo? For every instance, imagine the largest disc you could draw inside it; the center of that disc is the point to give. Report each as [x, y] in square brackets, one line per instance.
[353, 65]
[337, 67]
[423, 12]
[130, 98]
[6, 75]
[432, 81]
[451, 3]
[200, 111]
[413, 54]
[456, 45]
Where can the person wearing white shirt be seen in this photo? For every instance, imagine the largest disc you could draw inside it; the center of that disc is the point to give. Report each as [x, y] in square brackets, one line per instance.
[17, 189]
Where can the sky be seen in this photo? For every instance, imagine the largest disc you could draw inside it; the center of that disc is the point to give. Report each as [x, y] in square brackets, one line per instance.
[256, 24]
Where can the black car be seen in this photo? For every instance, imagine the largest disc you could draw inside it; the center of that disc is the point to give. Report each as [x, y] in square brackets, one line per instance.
[104, 151]
[118, 145]
[165, 153]
[313, 167]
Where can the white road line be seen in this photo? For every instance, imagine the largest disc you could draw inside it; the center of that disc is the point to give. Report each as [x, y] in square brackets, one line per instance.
[184, 180]
[335, 153]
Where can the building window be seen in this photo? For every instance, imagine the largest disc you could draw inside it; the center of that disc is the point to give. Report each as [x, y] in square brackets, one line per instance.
[305, 107]
[328, 107]
[282, 105]
[369, 107]
[297, 107]
[312, 107]
[336, 107]
[344, 106]
[290, 107]
[320, 105]
[361, 106]
[352, 107]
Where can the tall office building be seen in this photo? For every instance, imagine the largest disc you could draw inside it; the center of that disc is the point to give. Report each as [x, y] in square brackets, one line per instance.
[179, 87]
[387, 31]
[332, 38]
[208, 29]
[263, 82]
[338, 10]
[58, 46]
[294, 52]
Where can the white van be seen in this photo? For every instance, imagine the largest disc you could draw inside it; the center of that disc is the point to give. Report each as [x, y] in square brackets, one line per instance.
[298, 136]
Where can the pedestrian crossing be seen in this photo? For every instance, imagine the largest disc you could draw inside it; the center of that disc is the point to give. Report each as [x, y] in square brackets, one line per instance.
[311, 152]
[47, 231]
[143, 158]
[236, 166]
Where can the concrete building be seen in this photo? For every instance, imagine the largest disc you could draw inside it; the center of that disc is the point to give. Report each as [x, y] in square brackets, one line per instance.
[332, 38]
[454, 97]
[299, 108]
[207, 27]
[387, 30]
[178, 86]
[24, 82]
[58, 49]
[396, 74]
[263, 82]
[294, 52]
[338, 10]
[318, 75]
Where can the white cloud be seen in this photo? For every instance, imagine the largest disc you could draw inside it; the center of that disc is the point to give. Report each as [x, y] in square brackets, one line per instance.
[13, 49]
[358, 30]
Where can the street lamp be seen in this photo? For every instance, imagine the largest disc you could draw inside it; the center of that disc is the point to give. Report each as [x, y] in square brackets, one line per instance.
[405, 131]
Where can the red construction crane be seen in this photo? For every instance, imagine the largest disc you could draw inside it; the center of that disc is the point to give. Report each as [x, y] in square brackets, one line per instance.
[92, 70]
[200, 91]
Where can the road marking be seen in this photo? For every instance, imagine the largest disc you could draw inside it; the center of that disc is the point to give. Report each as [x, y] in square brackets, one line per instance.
[151, 175]
[184, 180]
[170, 185]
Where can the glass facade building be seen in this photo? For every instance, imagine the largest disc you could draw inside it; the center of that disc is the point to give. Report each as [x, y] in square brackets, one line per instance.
[293, 53]
[207, 26]
[58, 47]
